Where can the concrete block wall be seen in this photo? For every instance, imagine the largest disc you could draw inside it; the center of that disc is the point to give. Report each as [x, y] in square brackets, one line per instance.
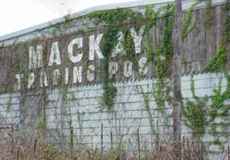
[83, 108]
[10, 108]
[86, 111]
[204, 85]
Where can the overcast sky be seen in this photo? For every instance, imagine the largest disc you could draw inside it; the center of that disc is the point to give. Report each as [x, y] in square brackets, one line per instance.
[20, 14]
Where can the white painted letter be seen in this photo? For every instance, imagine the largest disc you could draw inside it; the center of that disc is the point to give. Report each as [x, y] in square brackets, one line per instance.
[19, 81]
[79, 54]
[31, 78]
[66, 75]
[56, 76]
[91, 73]
[128, 69]
[94, 47]
[55, 57]
[143, 68]
[35, 57]
[77, 74]
[113, 68]
[119, 49]
[43, 79]
[137, 37]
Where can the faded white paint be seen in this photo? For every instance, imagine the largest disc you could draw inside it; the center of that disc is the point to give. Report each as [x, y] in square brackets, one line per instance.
[75, 58]
[35, 57]
[94, 47]
[55, 56]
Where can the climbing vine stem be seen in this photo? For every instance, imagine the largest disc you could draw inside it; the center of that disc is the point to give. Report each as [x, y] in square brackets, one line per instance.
[113, 20]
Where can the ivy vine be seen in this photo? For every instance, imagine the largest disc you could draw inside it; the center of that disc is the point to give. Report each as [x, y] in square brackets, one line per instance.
[188, 22]
[113, 19]
[164, 54]
[196, 117]
[160, 55]
[194, 113]
[217, 63]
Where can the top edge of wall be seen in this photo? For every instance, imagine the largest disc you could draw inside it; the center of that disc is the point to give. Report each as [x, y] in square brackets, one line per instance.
[132, 4]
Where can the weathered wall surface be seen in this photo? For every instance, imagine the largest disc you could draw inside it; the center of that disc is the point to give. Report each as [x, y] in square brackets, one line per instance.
[77, 108]
[83, 110]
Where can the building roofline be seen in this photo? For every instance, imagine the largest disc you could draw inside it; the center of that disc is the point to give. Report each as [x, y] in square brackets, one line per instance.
[61, 20]
[75, 15]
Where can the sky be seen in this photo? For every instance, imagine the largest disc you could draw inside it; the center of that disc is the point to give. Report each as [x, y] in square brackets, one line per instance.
[16, 15]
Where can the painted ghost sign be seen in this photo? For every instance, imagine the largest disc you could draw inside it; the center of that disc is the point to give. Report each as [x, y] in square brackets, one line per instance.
[75, 59]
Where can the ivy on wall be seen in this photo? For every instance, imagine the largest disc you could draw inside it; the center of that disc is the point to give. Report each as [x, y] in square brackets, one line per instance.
[194, 113]
[188, 22]
[218, 62]
[163, 53]
[160, 57]
[198, 113]
[113, 20]
[163, 60]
